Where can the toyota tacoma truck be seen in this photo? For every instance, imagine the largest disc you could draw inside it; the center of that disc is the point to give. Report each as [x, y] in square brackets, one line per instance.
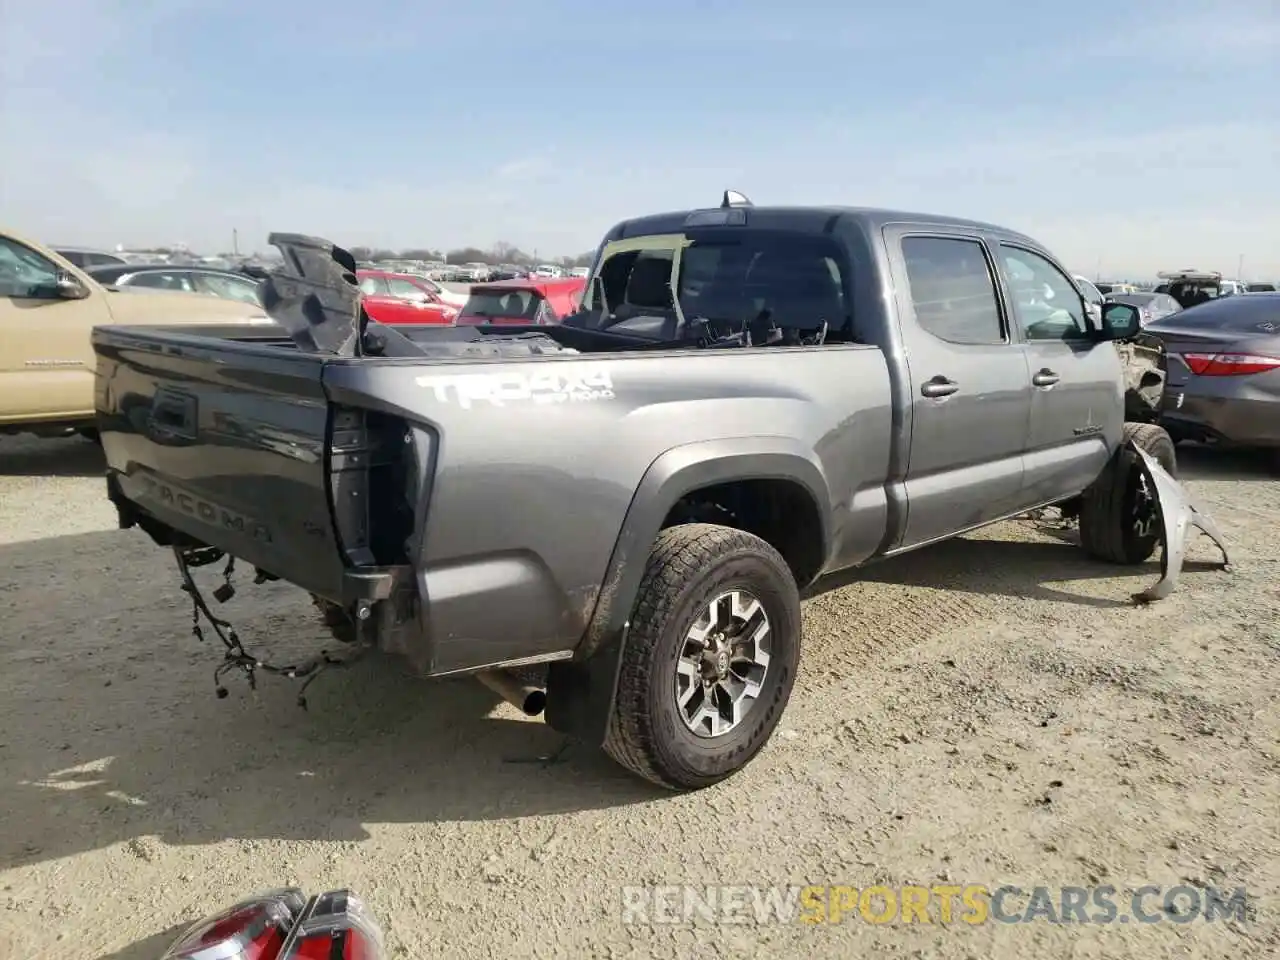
[632, 502]
[48, 307]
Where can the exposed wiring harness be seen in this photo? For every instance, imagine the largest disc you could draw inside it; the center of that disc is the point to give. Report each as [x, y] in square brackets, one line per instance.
[236, 657]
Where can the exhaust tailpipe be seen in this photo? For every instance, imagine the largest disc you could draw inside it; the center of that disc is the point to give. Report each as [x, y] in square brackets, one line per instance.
[529, 700]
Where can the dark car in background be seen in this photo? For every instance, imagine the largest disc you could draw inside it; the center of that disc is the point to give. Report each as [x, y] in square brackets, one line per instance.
[508, 271]
[1223, 378]
[531, 300]
[226, 284]
[1260, 287]
[87, 257]
[1151, 306]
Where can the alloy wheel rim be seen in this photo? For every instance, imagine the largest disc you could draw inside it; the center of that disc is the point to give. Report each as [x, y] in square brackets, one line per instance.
[723, 664]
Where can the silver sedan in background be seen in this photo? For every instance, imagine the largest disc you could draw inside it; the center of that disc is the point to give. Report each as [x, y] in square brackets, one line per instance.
[227, 284]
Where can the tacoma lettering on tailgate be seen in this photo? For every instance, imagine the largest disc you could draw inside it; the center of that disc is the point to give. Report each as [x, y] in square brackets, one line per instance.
[176, 498]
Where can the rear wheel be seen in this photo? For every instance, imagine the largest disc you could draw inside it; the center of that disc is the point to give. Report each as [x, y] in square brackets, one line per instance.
[1119, 517]
[710, 658]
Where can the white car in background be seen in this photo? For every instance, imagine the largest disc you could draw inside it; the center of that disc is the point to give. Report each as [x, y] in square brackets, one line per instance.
[547, 271]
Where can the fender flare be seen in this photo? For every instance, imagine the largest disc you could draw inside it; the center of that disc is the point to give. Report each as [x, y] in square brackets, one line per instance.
[581, 692]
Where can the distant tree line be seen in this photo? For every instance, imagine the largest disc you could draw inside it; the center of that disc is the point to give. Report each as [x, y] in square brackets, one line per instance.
[500, 253]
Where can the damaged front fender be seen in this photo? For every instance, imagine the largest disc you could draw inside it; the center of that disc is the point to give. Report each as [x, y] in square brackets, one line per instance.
[1178, 513]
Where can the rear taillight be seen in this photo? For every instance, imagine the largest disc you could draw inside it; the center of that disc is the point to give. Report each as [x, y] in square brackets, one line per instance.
[285, 925]
[335, 927]
[254, 929]
[1229, 364]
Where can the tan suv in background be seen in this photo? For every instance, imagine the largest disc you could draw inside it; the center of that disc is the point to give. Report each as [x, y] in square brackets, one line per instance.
[48, 307]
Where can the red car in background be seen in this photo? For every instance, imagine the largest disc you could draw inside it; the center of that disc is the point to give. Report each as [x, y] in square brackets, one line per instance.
[529, 300]
[401, 298]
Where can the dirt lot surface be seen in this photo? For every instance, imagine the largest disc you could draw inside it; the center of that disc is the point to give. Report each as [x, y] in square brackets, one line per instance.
[989, 711]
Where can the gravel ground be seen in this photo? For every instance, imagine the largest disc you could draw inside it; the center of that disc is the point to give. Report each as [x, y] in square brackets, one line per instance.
[988, 711]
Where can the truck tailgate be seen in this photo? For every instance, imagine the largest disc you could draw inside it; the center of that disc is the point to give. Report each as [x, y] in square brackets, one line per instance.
[223, 441]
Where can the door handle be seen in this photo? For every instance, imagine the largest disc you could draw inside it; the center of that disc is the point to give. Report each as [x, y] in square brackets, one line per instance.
[1045, 378]
[938, 387]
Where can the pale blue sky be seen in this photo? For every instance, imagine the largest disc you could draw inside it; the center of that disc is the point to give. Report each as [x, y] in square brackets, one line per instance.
[1134, 135]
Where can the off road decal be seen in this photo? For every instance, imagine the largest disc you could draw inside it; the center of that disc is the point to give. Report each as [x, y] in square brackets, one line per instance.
[498, 390]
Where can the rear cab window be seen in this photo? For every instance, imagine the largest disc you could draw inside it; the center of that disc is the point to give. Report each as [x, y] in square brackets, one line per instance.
[776, 286]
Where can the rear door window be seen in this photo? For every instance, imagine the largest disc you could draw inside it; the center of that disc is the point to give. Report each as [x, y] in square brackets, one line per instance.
[228, 288]
[404, 290]
[953, 289]
[164, 280]
[373, 286]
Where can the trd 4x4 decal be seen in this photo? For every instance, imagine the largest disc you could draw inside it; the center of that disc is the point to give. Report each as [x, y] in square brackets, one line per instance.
[467, 390]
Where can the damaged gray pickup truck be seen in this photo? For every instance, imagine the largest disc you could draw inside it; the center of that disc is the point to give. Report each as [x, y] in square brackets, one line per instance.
[750, 399]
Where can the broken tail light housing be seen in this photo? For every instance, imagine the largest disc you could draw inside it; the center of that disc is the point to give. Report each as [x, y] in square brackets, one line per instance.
[284, 925]
[1229, 364]
[336, 926]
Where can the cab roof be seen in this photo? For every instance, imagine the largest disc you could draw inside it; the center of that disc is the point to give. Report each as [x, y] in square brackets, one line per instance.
[817, 219]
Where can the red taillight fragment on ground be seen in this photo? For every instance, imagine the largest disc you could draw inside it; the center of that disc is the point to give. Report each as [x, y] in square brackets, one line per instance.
[284, 925]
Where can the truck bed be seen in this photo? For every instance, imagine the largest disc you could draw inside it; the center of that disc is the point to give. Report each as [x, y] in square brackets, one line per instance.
[490, 494]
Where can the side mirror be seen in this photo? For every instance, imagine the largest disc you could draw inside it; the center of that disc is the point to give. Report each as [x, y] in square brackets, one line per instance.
[69, 287]
[1120, 321]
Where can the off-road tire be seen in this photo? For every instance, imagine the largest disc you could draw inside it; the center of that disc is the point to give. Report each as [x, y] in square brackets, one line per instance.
[1106, 528]
[688, 566]
[336, 620]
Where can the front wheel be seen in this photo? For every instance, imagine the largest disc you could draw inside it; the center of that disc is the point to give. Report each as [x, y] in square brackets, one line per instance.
[709, 660]
[1119, 515]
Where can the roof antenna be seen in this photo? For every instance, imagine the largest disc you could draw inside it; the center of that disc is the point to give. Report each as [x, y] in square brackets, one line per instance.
[732, 198]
